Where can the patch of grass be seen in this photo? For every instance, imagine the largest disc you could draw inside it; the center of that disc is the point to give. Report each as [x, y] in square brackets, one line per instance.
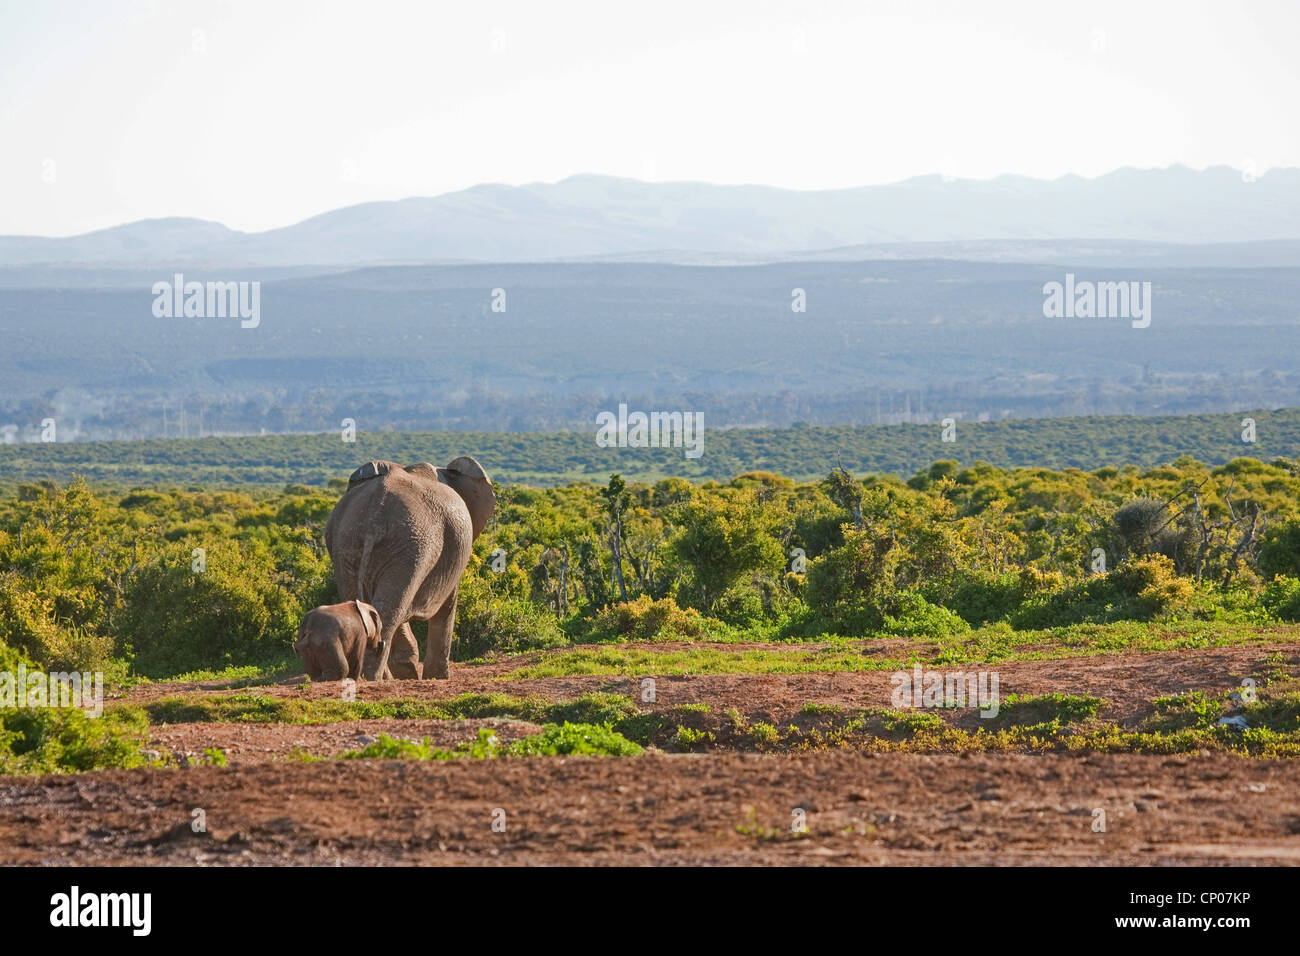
[251, 707]
[992, 644]
[241, 673]
[567, 738]
[1046, 710]
[910, 722]
[395, 748]
[554, 740]
[211, 757]
[1175, 712]
[705, 660]
[1275, 712]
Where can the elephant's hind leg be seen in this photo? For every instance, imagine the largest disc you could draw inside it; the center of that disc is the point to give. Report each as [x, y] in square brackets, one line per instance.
[392, 599]
[331, 662]
[437, 656]
[404, 658]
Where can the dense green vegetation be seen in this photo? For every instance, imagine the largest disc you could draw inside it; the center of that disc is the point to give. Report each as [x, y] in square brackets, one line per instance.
[969, 562]
[545, 458]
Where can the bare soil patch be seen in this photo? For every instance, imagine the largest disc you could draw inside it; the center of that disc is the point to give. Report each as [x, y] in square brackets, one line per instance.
[710, 809]
[258, 743]
[1127, 682]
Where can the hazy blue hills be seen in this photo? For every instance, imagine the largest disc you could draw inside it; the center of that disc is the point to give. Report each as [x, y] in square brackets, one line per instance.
[593, 216]
[420, 348]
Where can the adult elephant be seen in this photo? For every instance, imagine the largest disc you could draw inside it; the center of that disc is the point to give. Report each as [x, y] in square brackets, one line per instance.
[400, 539]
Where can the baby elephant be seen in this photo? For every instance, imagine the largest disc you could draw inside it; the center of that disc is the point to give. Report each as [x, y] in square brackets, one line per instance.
[333, 638]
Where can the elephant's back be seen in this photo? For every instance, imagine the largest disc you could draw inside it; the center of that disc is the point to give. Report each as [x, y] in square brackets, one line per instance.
[396, 501]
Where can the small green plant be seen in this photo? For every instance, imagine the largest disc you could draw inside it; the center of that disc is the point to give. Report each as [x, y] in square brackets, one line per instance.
[735, 719]
[687, 738]
[910, 722]
[764, 734]
[594, 739]
[211, 757]
[750, 826]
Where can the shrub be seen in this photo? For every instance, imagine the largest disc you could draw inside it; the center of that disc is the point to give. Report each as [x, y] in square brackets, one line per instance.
[981, 596]
[850, 587]
[487, 623]
[644, 619]
[740, 606]
[917, 617]
[1282, 598]
[1152, 581]
[1279, 551]
[64, 740]
[27, 621]
[1144, 526]
[1139, 590]
[238, 610]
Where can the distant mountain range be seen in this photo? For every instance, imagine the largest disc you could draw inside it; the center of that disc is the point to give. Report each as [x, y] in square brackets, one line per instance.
[1010, 218]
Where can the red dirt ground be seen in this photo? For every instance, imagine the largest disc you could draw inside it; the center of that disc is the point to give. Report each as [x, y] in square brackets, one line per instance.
[714, 808]
[860, 809]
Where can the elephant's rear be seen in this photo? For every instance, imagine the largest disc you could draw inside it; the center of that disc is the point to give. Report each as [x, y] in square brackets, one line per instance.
[351, 533]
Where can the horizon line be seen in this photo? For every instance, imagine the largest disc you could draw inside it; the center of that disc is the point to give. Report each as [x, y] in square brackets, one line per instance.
[178, 218]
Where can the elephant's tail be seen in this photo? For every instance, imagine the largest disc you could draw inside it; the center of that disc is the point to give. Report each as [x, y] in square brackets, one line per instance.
[364, 576]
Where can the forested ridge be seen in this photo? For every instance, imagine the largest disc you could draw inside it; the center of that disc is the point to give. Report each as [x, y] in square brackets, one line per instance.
[545, 458]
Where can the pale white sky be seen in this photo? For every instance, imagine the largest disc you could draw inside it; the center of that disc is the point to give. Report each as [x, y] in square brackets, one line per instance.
[260, 114]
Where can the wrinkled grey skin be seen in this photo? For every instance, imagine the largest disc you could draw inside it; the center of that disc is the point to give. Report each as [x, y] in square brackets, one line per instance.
[401, 542]
[333, 639]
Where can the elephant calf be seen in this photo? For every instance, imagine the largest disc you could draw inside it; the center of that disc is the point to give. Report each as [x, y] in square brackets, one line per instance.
[333, 639]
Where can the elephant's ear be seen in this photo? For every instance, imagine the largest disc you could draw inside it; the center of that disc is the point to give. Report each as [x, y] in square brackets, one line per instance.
[369, 618]
[467, 466]
[375, 619]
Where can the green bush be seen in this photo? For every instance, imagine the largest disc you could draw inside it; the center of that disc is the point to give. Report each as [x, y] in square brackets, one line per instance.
[740, 606]
[27, 621]
[850, 588]
[1279, 551]
[65, 740]
[1282, 598]
[644, 619]
[914, 616]
[981, 596]
[1152, 583]
[240, 609]
[487, 623]
[1139, 590]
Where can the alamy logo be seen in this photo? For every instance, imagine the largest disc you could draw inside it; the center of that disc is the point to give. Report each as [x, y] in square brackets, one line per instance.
[209, 300]
[653, 430]
[36, 689]
[1098, 300]
[75, 908]
[946, 689]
